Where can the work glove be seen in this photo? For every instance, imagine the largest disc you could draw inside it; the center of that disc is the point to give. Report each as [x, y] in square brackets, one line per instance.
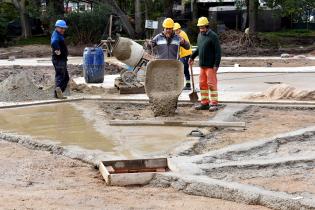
[191, 62]
[57, 52]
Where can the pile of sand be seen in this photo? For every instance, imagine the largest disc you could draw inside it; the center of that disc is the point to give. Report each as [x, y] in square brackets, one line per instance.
[285, 92]
[20, 87]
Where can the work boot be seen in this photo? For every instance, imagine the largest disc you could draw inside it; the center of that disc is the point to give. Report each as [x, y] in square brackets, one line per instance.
[213, 108]
[187, 87]
[59, 94]
[202, 107]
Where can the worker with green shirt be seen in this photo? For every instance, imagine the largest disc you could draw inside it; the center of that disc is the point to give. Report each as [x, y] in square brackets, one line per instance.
[209, 52]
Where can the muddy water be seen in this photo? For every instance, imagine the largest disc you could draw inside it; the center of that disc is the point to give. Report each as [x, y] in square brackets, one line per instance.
[69, 124]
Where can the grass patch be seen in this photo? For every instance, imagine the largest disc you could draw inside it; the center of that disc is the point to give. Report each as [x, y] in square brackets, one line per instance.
[298, 33]
[41, 40]
[282, 37]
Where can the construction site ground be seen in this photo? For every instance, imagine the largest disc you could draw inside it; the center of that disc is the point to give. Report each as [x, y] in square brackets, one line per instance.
[36, 180]
[269, 164]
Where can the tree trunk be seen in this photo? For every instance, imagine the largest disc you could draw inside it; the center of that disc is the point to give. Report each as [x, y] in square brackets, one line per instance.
[25, 25]
[124, 18]
[253, 10]
[138, 17]
[146, 10]
[57, 7]
[194, 10]
[168, 8]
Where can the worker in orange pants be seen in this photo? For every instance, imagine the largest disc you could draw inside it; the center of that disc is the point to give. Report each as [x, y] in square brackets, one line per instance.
[208, 84]
[209, 53]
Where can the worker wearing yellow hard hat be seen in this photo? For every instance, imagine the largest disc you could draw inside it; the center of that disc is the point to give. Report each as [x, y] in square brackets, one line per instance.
[184, 54]
[203, 21]
[167, 43]
[168, 23]
[209, 52]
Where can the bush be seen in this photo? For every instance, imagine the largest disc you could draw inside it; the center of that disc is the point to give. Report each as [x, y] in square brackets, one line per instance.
[88, 26]
[7, 13]
[192, 31]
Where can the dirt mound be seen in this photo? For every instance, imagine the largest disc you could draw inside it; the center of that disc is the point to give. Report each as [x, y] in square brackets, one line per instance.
[85, 88]
[231, 36]
[111, 69]
[20, 87]
[284, 91]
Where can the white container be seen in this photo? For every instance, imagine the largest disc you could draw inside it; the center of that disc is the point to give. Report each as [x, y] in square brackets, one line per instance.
[128, 51]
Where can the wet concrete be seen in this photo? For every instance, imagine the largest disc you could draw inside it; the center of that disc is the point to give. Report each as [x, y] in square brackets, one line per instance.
[164, 104]
[163, 85]
[232, 191]
[190, 175]
[72, 124]
[227, 114]
[274, 172]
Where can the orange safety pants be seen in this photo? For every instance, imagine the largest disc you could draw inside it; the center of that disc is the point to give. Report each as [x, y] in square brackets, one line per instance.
[208, 84]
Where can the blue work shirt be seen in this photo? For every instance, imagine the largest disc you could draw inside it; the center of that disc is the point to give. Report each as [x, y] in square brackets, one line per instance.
[57, 42]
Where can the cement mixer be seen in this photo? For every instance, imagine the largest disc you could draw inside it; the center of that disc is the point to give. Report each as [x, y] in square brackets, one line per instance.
[164, 80]
[133, 55]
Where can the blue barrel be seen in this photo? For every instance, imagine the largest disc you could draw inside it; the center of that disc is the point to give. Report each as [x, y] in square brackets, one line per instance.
[93, 65]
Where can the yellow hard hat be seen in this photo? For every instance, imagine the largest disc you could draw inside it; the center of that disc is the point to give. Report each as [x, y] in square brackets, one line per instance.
[203, 21]
[168, 23]
[176, 26]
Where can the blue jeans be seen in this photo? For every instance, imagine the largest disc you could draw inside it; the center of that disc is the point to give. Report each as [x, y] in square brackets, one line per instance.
[184, 60]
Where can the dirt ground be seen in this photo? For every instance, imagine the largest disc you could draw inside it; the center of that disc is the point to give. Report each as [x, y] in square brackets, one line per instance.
[40, 78]
[39, 180]
[229, 44]
[31, 51]
[261, 122]
[143, 112]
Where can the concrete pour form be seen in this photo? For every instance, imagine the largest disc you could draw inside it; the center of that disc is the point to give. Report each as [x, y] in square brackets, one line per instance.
[288, 154]
[216, 174]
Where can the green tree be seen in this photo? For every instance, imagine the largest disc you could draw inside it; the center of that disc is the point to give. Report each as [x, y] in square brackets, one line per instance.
[292, 7]
[7, 14]
[87, 27]
[20, 5]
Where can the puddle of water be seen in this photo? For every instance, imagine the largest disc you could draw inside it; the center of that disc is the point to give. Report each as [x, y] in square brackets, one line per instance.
[70, 126]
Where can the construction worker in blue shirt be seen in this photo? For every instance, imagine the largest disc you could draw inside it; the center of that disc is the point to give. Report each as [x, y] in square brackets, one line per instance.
[60, 58]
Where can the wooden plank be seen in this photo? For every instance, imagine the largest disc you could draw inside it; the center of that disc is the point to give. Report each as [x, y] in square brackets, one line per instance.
[110, 169]
[137, 163]
[132, 172]
[131, 178]
[131, 90]
[176, 123]
[104, 173]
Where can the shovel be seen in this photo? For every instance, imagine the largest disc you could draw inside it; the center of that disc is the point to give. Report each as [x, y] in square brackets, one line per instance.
[193, 96]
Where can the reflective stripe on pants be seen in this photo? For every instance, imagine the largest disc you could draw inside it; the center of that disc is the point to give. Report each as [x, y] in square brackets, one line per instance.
[208, 84]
